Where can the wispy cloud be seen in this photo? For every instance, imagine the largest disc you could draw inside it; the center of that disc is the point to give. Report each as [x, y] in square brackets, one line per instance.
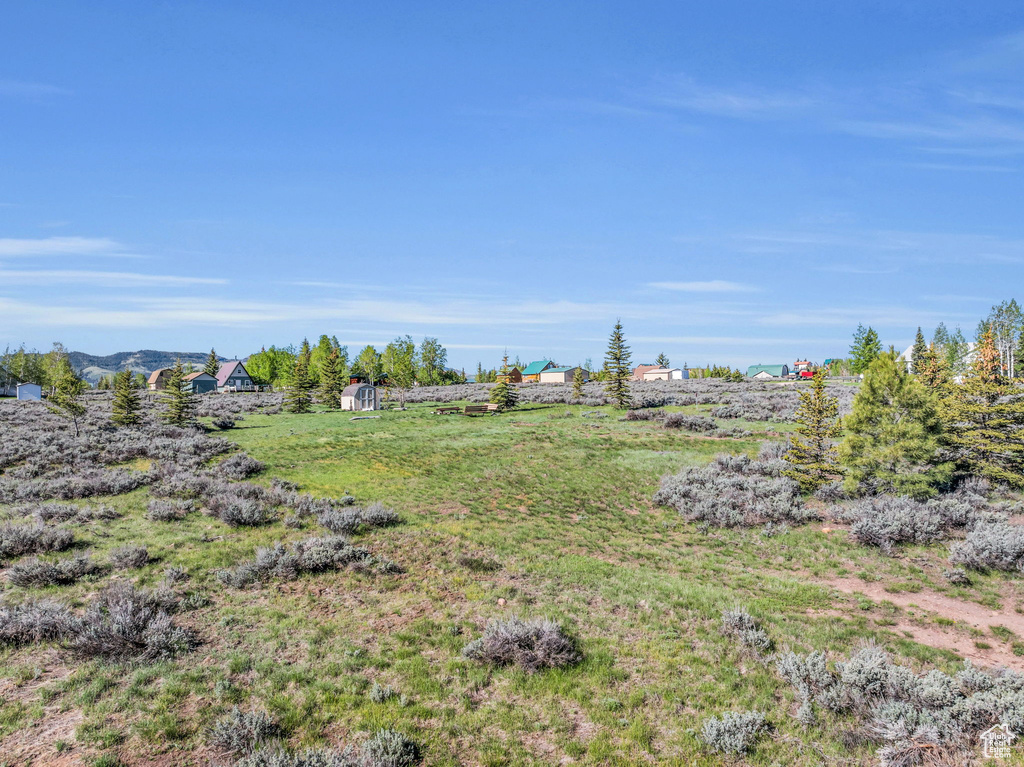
[101, 279]
[30, 90]
[59, 246]
[709, 286]
[747, 102]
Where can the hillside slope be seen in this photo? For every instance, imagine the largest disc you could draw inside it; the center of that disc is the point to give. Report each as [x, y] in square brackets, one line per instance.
[93, 367]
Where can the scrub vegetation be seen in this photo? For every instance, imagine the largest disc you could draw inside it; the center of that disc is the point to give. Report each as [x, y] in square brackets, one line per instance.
[564, 582]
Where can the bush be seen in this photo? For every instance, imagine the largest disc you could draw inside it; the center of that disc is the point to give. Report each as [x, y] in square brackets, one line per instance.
[160, 510]
[239, 466]
[381, 693]
[532, 645]
[734, 491]
[128, 624]
[239, 733]
[734, 733]
[35, 572]
[129, 557]
[224, 422]
[390, 749]
[16, 540]
[385, 749]
[636, 415]
[352, 520]
[697, 423]
[35, 621]
[240, 512]
[307, 556]
[996, 545]
[885, 521]
[910, 714]
[738, 624]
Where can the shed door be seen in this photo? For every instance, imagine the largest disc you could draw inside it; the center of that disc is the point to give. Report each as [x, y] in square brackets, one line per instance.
[366, 398]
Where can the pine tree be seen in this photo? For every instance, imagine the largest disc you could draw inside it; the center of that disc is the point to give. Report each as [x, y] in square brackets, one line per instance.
[331, 382]
[126, 406]
[65, 397]
[893, 435]
[933, 371]
[617, 370]
[812, 450]
[917, 352]
[577, 383]
[985, 416]
[180, 401]
[212, 366]
[504, 393]
[299, 397]
[661, 361]
[865, 349]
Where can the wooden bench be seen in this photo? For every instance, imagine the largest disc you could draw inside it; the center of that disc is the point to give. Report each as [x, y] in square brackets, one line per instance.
[480, 409]
[447, 410]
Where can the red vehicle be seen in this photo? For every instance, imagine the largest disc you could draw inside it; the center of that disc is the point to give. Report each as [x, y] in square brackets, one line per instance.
[807, 374]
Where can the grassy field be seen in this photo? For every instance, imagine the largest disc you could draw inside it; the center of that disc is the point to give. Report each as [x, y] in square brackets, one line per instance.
[545, 511]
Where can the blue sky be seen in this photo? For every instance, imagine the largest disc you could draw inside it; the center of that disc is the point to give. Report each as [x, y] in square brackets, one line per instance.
[739, 182]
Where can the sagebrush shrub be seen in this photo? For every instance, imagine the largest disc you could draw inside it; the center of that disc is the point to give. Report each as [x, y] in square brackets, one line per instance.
[696, 423]
[735, 491]
[531, 644]
[738, 624]
[996, 545]
[129, 557]
[388, 748]
[36, 572]
[35, 621]
[17, 540]
[239, 466]
[886, 520]
[381, 693]
[124, 623]
[310, 555]
[734, 732]
[240, 733]
[162, 510]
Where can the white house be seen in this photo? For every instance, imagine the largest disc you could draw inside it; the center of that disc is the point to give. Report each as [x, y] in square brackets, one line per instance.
[360, 396]
[561, 375]
[30, 391]
[907, 358]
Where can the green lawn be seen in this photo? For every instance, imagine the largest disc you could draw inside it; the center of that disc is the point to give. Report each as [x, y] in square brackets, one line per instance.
[561, 503]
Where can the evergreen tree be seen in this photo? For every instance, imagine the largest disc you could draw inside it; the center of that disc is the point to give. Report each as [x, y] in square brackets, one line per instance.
[299, 397]
[617, 370]
[479, 378]
[865, 349]
[577, 383]
[180, 401]
[893, 435]
[933, 371]
[985, 415]
[125, 410]
[504, 393]
[331, 381]
[956, 353]
[65, 397]
[940, 339]
[918, 351]
[812, 450]
[661, 361]
[212, 366]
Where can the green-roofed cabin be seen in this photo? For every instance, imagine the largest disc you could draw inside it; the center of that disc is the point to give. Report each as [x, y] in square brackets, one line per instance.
[767, 372]
[532, 371]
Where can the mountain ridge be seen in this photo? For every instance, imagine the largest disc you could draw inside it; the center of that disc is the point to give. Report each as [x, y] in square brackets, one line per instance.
[93, 367]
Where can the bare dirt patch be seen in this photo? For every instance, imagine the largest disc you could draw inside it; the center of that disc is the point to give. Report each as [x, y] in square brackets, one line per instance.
[965, 616]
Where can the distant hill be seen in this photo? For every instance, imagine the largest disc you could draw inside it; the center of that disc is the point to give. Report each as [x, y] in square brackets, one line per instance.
[93, 368]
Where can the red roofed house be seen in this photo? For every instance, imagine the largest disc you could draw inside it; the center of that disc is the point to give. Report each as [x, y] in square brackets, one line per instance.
[233, 376]
[639, 370]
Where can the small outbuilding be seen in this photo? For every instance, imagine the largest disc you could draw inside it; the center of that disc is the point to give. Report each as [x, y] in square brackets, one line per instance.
[360, 396]
[30, 391]
[532, 371]
[200, 383]
[158, 379]
[666, 374]
[767, 372]
[640, 370]
[514, 375]
[562, 375]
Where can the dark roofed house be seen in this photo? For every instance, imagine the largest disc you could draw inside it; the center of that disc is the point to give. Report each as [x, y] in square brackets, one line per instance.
[201, 383]
[233, 376]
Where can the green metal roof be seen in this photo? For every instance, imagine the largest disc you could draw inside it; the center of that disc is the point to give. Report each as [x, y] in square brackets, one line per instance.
[535, 367]
[776, 370]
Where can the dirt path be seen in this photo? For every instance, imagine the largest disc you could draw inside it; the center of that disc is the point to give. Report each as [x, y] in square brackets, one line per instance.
[956, 637]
